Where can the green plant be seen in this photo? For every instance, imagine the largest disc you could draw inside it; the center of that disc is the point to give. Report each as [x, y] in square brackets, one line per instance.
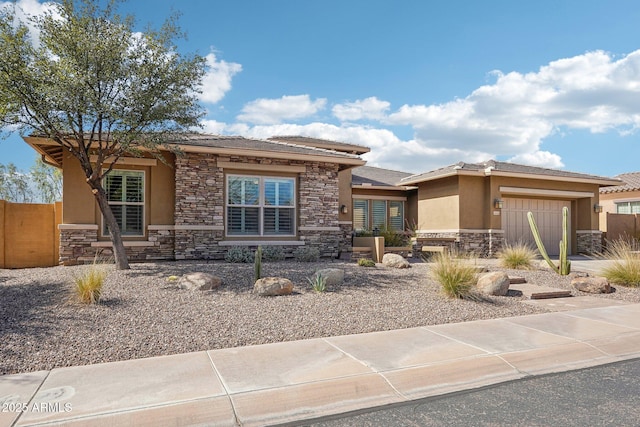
[518, 256]
[239, 254]
[318, 282]
[564, 266]
[257, 264]
[456, 277]
[625, 264]
[273, 253]
[307, 254]
[88, 285]
[393, 238]
[366, 262]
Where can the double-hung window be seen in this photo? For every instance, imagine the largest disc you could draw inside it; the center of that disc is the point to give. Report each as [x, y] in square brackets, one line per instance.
[125, 194]
[260, 206]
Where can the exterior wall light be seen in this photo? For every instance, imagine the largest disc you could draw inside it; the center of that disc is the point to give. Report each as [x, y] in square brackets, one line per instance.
[597, 208]
[344, 209]
[498, 203]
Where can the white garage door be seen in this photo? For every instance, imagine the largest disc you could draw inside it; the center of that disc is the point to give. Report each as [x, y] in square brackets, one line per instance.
[548, 216]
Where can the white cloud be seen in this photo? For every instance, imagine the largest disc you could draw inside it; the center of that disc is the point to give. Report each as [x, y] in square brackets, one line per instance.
[539, 158]
[370, 108]
[212, 127]
[217, 80]
[26, 9]
[509, 118]
[273, 111]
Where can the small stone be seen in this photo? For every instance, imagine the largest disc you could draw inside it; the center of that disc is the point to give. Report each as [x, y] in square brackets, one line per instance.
[199, 281]
[332, 276]
[494, 283]
[273, 286]
[395, 261]
[591, 285]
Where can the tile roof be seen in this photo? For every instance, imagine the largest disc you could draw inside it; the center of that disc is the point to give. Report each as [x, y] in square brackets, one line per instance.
[376, 176]
[322, 143]
[490, 166]
[239, 142]
[631, 182]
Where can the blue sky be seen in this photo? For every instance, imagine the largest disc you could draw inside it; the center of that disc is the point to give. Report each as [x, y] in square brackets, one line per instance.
[423, 83]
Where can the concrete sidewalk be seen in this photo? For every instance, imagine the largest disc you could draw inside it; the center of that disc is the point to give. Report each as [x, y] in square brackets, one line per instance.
[293, 381]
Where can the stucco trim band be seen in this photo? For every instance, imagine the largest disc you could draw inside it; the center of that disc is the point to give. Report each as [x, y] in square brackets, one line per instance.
[77, 226]
[366, 197]
[543, 192]
[261, 243]
[199, 227]
[312, 228]
[127, 161]
[261, 167]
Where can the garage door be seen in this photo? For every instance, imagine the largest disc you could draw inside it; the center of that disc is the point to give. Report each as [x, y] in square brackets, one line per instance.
[548, 216]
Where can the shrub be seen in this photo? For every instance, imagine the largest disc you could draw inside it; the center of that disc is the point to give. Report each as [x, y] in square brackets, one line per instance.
[239, 254]
[393, 238]
[456, 277]
[366, 262]
[88, 285]
[318, 282]
[273, 253]
[518, 256]
[625, 267]
[307, 254]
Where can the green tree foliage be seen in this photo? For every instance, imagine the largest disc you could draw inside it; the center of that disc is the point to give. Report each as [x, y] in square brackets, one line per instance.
[97, 88]
[42, 184]
[14, 185]
[47, 181]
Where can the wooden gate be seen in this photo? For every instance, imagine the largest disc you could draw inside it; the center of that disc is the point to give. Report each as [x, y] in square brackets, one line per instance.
[29, 235]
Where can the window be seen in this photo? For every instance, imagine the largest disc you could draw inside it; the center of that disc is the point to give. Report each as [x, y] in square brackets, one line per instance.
[381, 214]
[125, 194]
[260, 206]
[628, 207]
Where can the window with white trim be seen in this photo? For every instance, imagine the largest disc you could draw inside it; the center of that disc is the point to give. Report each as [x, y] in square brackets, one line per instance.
[125, 195]
[380, 214]
[627, 207]
[260, 206]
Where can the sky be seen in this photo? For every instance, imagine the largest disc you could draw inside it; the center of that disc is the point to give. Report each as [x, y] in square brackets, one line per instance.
[423, 83]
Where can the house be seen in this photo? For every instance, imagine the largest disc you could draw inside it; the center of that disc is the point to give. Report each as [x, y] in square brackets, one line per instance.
[222, 191]
[480, 206]
[623, 198]
[294, 191]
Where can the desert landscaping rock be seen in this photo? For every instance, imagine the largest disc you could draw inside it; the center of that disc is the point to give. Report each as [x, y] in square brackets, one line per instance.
[395, 261]
[332, 276]
[142, 314]
[199, 281]
[494, 283]
[273, 286]
[592, 285]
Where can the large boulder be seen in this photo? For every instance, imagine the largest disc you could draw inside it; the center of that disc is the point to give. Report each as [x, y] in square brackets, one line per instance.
[494, 283]
[592, 285]
[273, 286]
[332, 276]
[199, 282]
[395, 261]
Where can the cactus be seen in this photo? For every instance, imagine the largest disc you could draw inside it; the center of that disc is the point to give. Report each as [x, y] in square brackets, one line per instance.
[564, 266]
[257, 264]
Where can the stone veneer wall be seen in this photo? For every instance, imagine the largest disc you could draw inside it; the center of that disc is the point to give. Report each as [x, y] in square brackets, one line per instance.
[199, 215]
[318, 206]
[484, 244]
[589, 241]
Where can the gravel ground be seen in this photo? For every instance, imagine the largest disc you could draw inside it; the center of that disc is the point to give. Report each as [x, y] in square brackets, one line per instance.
[142, 314]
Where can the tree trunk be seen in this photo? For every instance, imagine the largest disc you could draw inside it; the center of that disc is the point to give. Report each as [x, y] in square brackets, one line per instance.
[119, 253]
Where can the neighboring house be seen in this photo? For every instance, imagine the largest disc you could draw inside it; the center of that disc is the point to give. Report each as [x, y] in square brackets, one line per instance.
[223, 191]
[621, 199]
[480, 206]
